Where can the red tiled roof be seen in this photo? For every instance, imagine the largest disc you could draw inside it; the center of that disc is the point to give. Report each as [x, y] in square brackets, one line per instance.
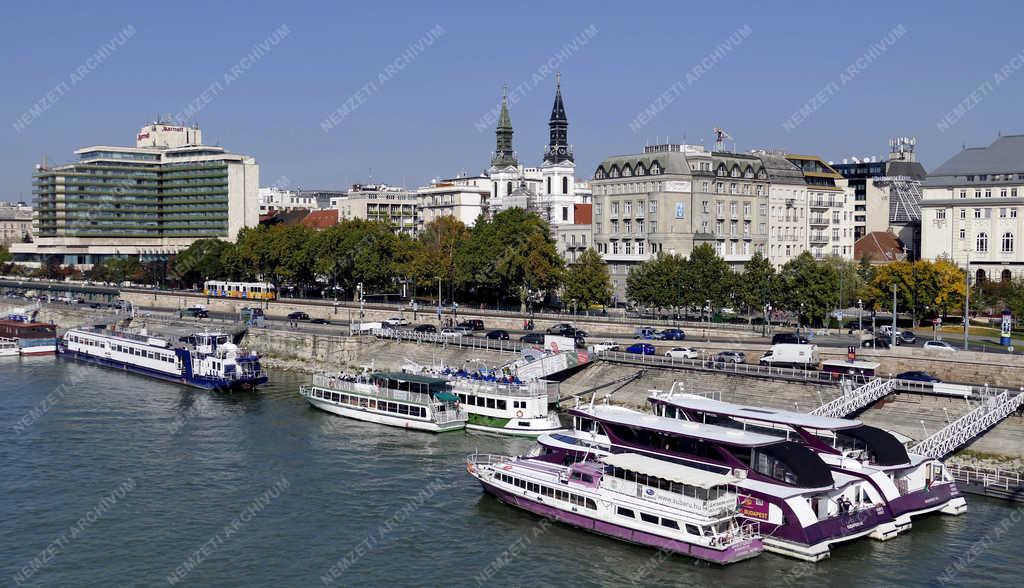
[879, 247]
[321, 219]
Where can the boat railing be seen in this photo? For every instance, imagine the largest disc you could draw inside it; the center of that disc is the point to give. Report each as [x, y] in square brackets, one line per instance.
[723, 505]
[1007, 480]
[366, 388]
[449, 415]
[485, 459]
[534, 389]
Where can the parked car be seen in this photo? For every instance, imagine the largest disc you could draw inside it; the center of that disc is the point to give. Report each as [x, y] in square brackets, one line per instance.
[671, 335]
[319, 321]
[463, 330]
[876, 342]
[194, 312]
[939, 346]
[918, 376]
[560, 329]
[731, 357]
[683, 353]
[298, 316]
[533, 338]
[473, 324]
[498, 335]
[449, 333]
[791, 338]
[641, 349]
[396, 321]
[644, 332]
[906, 337]
[425, 329]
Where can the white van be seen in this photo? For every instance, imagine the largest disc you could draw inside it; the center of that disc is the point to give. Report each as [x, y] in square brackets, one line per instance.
[791, 354]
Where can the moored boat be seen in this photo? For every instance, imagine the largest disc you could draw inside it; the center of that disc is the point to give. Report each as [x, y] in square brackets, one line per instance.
[629, 497]
[911, 484]
[802, 505]
[409, 401]
[507, 408]
[34, 338]
[8, 347]
[207, 360]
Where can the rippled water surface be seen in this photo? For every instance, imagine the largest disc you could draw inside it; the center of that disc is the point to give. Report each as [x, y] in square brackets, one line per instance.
[114, 479]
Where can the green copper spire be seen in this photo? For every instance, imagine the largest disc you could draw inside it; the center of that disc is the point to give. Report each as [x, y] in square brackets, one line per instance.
[503, 153]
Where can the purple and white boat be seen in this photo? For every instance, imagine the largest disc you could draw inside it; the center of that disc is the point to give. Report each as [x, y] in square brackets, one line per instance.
[802, 505]
[629, 497]
[911, 484]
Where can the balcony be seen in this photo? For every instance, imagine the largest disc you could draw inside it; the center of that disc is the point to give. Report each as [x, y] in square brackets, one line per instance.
[818, 221]
[818, 238]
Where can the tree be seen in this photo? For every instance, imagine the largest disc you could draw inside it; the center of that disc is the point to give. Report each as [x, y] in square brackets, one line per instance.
[5, 255]
[587, 281]
[658, 282]
[850, 283]
[1014, 298]
[808, 287]
[758, 284]
[509, 256]
[949, 286]
[434, 251]
[203, 260]
[707, 277]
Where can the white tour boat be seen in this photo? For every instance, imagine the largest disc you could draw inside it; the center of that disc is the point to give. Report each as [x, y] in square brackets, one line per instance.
[409, 401]
[630, 497]
[8, 347]
[508, 408]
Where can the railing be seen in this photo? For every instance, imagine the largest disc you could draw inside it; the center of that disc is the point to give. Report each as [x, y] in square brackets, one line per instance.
[856, 399]
[337, 384]
[745, 369]
[987, 477]
[449, 415]
[464, 341]
[484, 459]
[961, 431]
[534, 389]
[707, 508]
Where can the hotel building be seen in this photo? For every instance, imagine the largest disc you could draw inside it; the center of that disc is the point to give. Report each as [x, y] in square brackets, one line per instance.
[151, 200]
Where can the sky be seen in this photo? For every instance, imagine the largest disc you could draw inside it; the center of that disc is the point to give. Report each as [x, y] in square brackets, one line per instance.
[328, 94]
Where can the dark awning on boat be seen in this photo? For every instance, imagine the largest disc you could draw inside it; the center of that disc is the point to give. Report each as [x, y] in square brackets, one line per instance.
[446, 397]
[808, 467]
[886, 448]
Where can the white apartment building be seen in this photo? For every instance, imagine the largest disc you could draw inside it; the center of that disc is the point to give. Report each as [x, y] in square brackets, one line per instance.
[972, 209]
[787, 208]
[380, 202]
[830, 208]
[458, 198]
[15, 223]
[277, 199]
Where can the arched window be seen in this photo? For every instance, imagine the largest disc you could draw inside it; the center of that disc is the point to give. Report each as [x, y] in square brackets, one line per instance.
[655, 169]
[979, 277]
[549, 184]
[1006, 276]
[1007, 242]
[627, 171]
[508, 188]
[614, 172]
[565, 185]
[982, 243]
[640, 169]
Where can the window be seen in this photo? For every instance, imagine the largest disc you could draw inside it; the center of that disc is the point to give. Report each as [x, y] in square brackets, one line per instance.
[1002, 213]
[648, 518]
[625, 512]
[1007, 243]
[977, 213]
[692, 529]
[940, 214]
[963, 234]
[565, 185]
[652, 206]
[963, 213]
[963, 193]
[669, 523]
[982, 242]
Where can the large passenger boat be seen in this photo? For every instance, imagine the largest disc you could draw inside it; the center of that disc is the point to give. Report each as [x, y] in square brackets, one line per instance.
[409, 401]
[507, 408]
[911, 484]
[802, 505]
[206, 360]
[630, 497]
[8, 347]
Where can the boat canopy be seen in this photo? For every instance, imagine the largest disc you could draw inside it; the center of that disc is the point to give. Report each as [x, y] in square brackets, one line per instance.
[665, 470]
[411, 382]
[886, 448]
[770, 415]
[446, 397]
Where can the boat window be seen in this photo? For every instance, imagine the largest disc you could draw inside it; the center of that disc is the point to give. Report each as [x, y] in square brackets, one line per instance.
[670, 524]
[742, 454]
[490, 403]
[403, 409]
[591, 504]
[335, 396]
[625, 512]
[692, 529]
[549, 491]
[524, 423]
[648, 518]
[532, 487]
[588, 478]
[501, 405]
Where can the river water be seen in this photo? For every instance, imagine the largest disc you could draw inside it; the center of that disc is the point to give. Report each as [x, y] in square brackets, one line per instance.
[115, 479]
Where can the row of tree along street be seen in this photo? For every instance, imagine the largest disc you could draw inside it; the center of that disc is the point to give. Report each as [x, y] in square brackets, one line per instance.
[511, 259]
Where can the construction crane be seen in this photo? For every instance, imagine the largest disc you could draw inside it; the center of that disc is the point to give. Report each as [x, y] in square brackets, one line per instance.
[720, 136]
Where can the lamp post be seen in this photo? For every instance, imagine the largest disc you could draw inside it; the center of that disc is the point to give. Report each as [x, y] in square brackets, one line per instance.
[860, 317]
[438, 299]
[707, 329]
[967, 300]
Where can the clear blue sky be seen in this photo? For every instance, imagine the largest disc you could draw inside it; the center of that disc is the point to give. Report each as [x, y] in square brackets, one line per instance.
[422, 122]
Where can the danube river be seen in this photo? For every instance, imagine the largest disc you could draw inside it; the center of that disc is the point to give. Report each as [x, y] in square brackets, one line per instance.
[114, 479]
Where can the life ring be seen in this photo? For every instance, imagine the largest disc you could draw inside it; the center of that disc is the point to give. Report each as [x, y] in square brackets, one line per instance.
[519, 414]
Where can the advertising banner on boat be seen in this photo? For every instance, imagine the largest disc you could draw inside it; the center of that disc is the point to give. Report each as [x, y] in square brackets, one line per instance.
[558, 344]
[753, 508]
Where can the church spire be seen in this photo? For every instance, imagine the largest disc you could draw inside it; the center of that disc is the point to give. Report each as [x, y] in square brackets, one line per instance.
[503, 153]
[558, 149]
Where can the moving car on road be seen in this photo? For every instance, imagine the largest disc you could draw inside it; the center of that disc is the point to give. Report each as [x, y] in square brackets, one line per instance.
[731, 357]
[641, 349]
[683, 353]
[396, 321]
[425, 329]
[940, 346]
[450, 334]
[298, 316]
[319, 321]
[533, 338]
[671, 335]
[791, 338]
[906, 337]
[498, 335]
[473, 324]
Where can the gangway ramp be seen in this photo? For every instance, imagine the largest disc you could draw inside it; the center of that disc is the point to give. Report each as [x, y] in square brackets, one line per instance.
[855, 399]
[994, 407]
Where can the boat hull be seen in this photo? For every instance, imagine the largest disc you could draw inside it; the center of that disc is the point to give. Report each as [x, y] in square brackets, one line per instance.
[372, 416]
[723, 557]
[168, 377]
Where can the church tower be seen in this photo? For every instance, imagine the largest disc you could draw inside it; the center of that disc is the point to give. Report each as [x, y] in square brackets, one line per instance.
[558, 149]
[504, 156]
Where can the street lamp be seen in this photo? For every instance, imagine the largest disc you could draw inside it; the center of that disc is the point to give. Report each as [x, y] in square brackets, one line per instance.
[860, 317]
[800, 318]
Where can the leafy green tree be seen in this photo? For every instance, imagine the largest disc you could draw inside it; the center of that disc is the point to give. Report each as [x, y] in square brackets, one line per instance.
[203, 260]
[588, 281]
[509, 256]
[356, 251]
[658, 282]
[5, 255]
[433, 253]
[759, 283]
[707, 277]
[808, 288]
